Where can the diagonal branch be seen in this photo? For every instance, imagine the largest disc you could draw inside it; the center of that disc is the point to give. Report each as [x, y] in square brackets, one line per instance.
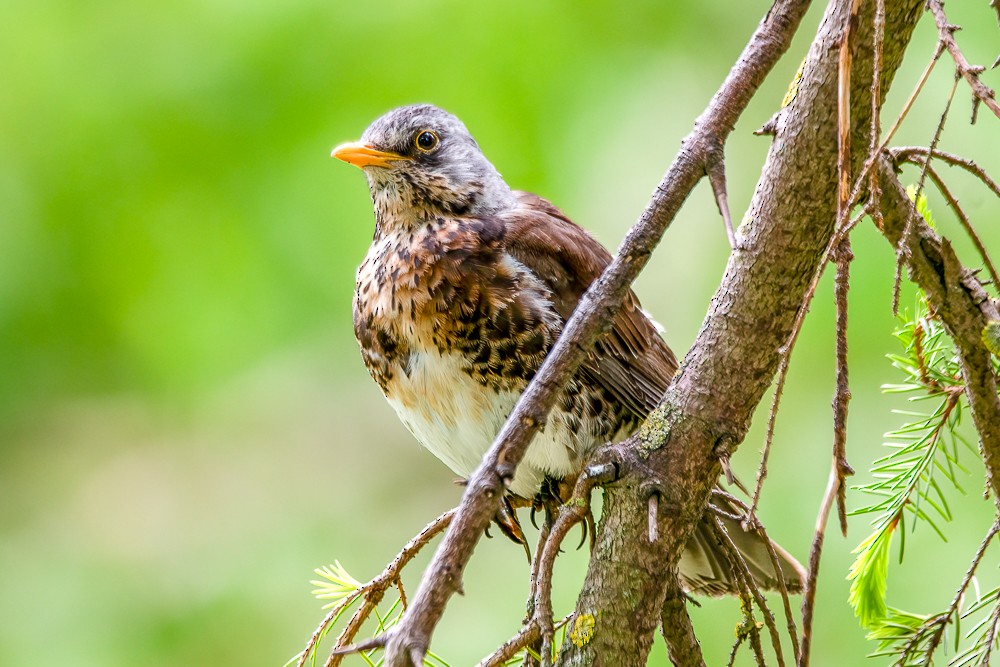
[940, 622]
[966, 223]
[961, 302]
[529, 633]
[735, 355]
[373, 592]
[678, 633]
[906, 153]
[946, 34]
[442, 578]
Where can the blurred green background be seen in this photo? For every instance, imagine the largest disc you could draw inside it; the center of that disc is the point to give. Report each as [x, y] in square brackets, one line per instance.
[186, 428]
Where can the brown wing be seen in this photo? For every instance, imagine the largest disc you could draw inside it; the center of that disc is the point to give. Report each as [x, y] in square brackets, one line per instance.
[631, 360]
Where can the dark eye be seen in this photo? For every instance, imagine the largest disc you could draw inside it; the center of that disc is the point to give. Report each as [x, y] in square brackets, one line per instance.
[426, 140]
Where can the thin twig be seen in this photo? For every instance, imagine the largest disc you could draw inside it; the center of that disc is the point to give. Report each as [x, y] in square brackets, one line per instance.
[946, 34]
[842, 397]
[758, 650]
[991, 635]
[739, 563]
[717, 178]
[937, 137]
[543, 537]
[906, 153]
[913, 96]
[952, 201]
[842, 253]
[748, 627]
[573, 512]
[815, 553]
[756, 525]
[402, 592]
[772, 418]
[839, 234]
[732, 651]
[941, 620]
[526, 636]
[321, 629]
[374, 590]
[875, 131]
[683, 648]
[920, 188]
[966, 223]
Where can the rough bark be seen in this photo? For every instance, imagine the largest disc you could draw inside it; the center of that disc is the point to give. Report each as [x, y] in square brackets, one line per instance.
[960, 300]
[700, 154]
[736, 353]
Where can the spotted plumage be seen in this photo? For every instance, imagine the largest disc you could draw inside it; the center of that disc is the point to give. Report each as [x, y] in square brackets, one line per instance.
[465, 289]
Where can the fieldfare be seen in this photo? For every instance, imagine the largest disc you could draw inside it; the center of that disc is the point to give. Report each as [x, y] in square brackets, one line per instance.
[464, 290]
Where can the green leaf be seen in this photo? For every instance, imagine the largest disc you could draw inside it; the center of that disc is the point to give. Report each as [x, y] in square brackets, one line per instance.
[869, 574]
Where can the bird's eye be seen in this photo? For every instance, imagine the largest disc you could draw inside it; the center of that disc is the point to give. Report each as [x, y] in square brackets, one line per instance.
[426, 140]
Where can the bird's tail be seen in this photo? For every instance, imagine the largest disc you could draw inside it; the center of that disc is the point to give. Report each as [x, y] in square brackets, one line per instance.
[706, 569]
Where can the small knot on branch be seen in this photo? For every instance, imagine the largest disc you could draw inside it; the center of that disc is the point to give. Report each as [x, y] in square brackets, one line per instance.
[599, 474]
[375, 642]
[770, 128]
[505, 472]
[723, 451]
[716, 169]
[842, 253]
[651, 491]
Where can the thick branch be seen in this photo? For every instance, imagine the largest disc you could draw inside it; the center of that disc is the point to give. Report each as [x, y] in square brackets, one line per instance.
[682, 643]
[735, 355]
[596, 309]
[959, 299]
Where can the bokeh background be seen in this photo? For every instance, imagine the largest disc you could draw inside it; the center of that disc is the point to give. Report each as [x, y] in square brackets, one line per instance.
[186, 429]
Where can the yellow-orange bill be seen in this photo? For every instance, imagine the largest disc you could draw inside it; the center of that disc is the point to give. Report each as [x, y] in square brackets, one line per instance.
[364, 155]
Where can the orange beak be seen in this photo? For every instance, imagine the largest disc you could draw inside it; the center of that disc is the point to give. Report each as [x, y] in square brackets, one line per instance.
[365, 155]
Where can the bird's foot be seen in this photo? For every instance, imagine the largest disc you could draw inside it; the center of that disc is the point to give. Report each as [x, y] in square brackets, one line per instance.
[508, 523]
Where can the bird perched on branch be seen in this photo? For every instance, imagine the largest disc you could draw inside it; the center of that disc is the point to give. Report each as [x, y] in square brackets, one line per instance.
[465, 289]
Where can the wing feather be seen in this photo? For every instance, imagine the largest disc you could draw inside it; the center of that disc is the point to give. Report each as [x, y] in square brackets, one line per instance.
[631, 360]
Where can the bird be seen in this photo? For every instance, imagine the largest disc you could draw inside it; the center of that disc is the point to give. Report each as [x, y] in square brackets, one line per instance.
[464, 291]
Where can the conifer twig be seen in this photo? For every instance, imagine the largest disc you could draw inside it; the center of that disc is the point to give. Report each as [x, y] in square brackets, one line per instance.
[373, 592]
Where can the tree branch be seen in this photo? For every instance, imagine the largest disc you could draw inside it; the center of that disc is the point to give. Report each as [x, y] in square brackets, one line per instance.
[959, 299]
[682, 643]
[946, 34]
[736, 353]
[372, 592]
[906, 153]
[594, 313]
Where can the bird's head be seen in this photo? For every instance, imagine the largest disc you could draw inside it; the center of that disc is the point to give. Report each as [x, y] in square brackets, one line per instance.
[421, 162]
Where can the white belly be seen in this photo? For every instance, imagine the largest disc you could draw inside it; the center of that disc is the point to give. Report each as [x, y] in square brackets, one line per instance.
[457, 418]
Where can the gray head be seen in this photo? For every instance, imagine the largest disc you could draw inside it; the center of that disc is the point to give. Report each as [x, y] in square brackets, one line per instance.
[421, 162]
